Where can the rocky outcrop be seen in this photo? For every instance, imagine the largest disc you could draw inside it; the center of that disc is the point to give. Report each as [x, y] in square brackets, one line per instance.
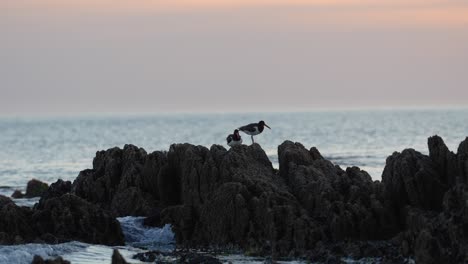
[56, 190]
[177, 257]
[117, 258]
[34, 188]
[347, 203]
[58, 219]
[15, 223]
[118, 181]
[309, 207]
[70, 217]
[215, 197]
[410, 178]
[428, 195]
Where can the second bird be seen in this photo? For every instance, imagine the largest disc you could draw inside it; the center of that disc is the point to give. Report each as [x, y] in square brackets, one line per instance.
[254, 129]
[234, 139]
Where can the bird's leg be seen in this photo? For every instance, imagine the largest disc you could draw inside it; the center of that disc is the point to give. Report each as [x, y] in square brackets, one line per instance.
[252, 139]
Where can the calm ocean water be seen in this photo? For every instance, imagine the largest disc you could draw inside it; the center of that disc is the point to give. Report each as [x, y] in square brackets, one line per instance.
[51, 148]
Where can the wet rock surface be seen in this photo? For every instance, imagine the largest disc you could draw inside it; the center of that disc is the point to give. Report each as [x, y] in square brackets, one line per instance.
[117, 258]
[34, 188]
[308, 208]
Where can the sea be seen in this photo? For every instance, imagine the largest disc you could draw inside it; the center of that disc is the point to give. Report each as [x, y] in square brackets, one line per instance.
[48, 148]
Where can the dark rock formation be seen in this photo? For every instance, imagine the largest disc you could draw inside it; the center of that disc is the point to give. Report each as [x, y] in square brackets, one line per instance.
[39, 260]
[429, 194]
[309, 208]
[34, 188]
[56, 189]
[117, 258]
[462, 161]
[56, 220]
[117, 181]
[179, 256]
[410, 178]
[15, 223]
[17, 194]
[445, 161]
[70, 217]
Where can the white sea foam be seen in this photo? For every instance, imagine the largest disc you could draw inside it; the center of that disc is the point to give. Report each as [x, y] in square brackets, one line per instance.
[19, 254]
[137, 235]
[29, 202]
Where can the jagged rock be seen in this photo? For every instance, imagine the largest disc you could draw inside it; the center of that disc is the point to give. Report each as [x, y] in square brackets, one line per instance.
[70, 217]
[56, 189]
[232, 196]
[132, 201]
[444, 160]
[427, 249]
[17, 194]
[218, 197]
[39, 260]
[117, 258]
[411, 178]
[35, 188]
[120, 181]
[15, 222]
[462, 158]
[346, 203]
[437, 235]
[180, 257]
[58, 219]
[294, 152]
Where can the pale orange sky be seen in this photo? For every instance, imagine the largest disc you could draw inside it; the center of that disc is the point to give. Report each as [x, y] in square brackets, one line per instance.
[71, 55]
[360, 12]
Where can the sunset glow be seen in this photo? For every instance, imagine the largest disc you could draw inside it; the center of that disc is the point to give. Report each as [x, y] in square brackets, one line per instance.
[357, 13]
[310, 52]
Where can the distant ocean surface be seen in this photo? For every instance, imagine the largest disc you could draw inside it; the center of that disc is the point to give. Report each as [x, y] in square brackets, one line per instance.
[48, 148]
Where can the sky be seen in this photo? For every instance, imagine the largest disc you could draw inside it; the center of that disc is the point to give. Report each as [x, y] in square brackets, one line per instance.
[131, 56]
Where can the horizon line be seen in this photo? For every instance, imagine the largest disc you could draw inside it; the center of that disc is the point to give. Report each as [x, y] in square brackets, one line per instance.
[220, 112]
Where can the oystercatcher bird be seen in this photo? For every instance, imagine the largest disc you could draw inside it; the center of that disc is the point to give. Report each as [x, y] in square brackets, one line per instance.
[234, 139]
[254, 129]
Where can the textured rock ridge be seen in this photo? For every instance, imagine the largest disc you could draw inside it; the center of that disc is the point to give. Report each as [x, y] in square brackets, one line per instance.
[219, 197]
[57, 220]
[235, 198]
[34, 188]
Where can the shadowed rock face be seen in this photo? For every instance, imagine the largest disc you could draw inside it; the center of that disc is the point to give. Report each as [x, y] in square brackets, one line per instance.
[310, 207]
[219, 197]
[411, 178]
[117, 258]
[117, 181]
[56, 220]
[428, 195]
[34, 188]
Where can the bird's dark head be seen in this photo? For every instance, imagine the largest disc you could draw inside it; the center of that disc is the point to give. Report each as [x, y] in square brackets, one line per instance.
[236, 132]
[262, 123]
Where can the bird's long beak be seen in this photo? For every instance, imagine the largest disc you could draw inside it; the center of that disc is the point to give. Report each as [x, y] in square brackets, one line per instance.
[267, 126]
